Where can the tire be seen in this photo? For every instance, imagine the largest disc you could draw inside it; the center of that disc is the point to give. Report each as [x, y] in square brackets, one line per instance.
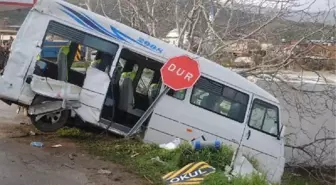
[51, 122]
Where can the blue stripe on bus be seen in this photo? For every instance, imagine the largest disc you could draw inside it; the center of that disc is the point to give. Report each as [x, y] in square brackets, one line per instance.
[88, 22]
[73, 15]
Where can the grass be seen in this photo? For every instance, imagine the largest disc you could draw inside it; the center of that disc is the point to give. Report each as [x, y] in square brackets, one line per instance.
[81, 65]
[137, 157]
[291, 179]
[142, 159]
[220, 179]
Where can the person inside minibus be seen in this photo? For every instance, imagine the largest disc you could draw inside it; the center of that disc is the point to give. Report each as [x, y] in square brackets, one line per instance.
[154, 88]
[130, 74]
[235, 111]
[129, 71]
[209, 102]
[126, 96]
[65, 59]
[102, 61]
[96, 60]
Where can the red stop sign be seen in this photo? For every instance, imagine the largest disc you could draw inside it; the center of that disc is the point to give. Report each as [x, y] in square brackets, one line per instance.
[180, 73]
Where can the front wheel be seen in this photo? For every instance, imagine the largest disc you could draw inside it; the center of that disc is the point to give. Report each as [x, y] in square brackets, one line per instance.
[49, 122]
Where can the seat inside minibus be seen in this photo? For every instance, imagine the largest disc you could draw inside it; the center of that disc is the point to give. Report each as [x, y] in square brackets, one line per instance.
[68, 62]
[130, 94]
[62, 71]
[137, 83]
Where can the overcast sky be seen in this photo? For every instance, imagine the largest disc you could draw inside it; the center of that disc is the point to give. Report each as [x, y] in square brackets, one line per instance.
[315, 5]
[319, 5]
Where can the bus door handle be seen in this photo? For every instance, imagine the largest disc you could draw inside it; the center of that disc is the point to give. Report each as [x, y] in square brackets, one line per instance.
[248, 135]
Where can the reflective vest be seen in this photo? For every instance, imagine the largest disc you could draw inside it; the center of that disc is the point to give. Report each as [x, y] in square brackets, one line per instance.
[153, 90]
[65, 50]
[63, 62]
[130, 75]
[95, 62]
[179, 94]
[124, 75]
[154, 86]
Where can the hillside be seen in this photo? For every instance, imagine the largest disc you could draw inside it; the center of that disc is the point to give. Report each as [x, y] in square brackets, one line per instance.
[327, 17]
[282, 27]
[15, 17]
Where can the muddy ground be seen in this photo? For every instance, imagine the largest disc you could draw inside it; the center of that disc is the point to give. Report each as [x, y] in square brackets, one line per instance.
[22, 164]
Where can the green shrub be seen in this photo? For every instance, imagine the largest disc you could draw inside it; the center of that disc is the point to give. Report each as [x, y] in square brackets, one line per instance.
[219, 178]
[216, 158]
[178, 158]
[151, 161]
[81, 65]
[291, 179]
[254, 179]
[74, 133]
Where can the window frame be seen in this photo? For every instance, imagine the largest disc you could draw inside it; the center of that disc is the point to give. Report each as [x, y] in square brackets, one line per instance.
[86, 33]
[266, 105]
[221, 95]
[47, 31]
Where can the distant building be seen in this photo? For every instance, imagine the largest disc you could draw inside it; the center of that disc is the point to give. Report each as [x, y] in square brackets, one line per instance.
[6, 34]
[9, 5]
[173, 36]
[313, 49]
[247, 48]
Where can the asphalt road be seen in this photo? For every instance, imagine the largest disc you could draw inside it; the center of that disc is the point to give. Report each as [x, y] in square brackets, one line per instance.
[22, 164]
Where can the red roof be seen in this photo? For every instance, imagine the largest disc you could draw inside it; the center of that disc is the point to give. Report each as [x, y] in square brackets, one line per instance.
[6, 5]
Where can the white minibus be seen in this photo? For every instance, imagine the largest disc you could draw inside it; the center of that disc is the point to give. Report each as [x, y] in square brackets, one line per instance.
[118, 87]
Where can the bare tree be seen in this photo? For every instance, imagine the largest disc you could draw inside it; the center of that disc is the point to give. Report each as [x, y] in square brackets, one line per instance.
[280, 37]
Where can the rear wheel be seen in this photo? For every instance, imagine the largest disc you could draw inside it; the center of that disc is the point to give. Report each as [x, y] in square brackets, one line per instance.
[49, 122]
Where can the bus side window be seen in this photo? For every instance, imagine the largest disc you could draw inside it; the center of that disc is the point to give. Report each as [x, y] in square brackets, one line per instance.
[264, 117]
[220, 99]
[177, 94]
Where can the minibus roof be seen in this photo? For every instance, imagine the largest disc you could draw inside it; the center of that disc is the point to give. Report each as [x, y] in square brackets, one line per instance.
[112, 30]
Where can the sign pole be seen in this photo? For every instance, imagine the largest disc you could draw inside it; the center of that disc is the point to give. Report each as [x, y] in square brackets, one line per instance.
[179, 73]
[148, 112]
